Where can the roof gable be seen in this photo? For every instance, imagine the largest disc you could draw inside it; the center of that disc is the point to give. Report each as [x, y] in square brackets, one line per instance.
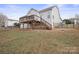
[34, 10]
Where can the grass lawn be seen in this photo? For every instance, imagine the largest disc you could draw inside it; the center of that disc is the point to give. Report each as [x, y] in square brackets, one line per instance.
[39, 41]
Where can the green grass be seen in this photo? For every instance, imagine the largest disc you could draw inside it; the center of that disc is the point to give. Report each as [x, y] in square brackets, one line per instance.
[39, 41]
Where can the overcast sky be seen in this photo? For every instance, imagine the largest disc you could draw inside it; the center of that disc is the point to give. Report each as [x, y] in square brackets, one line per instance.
[14, 11]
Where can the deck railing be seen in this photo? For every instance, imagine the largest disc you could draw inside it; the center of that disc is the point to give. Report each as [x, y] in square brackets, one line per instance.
[26, 18]
[35, 17]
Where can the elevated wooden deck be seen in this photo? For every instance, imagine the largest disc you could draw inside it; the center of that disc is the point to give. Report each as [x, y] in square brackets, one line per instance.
[35, 23]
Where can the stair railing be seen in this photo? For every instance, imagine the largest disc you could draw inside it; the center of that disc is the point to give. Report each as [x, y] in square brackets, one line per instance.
[44, 21]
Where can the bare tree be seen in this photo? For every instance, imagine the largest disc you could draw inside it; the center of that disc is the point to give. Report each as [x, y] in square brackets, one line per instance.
[3, 20]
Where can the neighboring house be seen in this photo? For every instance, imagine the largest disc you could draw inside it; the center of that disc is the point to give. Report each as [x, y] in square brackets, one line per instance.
[10, 22]
[44, 19]
[75, 22]
[72, 22]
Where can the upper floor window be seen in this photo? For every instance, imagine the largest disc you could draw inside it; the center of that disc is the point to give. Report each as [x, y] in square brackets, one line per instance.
[48, 16]
[24, 18]
[53, 16]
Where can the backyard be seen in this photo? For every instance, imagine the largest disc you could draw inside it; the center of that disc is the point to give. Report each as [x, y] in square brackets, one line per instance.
[39, 41]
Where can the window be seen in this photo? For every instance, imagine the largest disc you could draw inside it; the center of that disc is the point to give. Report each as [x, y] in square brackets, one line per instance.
[53, 16]
[48, 16]
[24, 18]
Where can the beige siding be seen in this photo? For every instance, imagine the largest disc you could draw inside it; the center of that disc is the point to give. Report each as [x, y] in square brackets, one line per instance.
[56, 16]
[51, 16]
[47, 16]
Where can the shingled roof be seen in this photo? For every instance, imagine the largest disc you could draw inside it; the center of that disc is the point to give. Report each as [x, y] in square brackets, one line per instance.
[46, 9]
